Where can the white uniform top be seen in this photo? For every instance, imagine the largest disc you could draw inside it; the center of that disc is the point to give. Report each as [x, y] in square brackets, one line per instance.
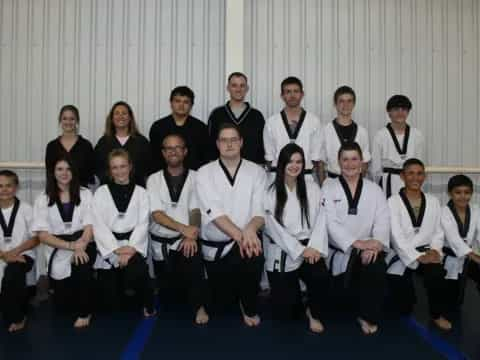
[348, 222]
[408, 233]
[107, 220]
[388, 154]
[48, 218]
[308, 135]
[21, 232]
[240, 198]
[331, 144]
[283, 247]
[161, 200]
[460, 243]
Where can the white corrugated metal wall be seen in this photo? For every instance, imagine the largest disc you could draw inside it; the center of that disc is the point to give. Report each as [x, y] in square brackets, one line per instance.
[427, 49]
[94, 52]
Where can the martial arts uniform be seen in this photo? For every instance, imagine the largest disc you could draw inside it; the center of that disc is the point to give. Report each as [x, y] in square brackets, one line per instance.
[250, 122]
[307, 134]
[411, 237]
[15, 229]
[72, 284]
[460, 240]
[82, 156]
[121, 215]
[173, 270]
[240, 198]
[390, 151]
[137, 147]
[284, 247]
[195, 133]
[350, 217]
[334, 135]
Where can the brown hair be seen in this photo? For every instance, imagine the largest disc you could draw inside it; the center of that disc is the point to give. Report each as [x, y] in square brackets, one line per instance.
[110, 127]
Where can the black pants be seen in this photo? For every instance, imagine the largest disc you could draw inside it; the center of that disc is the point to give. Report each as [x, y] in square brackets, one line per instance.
[455, 289]
[402, 290]
[74, 294]
[366, 285]
[113, 283]
[286, 295]
[234, 278]
[14, 294]
[179, 275]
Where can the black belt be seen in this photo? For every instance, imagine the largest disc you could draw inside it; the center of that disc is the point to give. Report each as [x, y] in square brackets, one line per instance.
[219, 245]
[448, 251]
[283, 256]
[164, 243]
[389, 171]
[396, 258]
[332, 175]
[122, 236]
[65, 237]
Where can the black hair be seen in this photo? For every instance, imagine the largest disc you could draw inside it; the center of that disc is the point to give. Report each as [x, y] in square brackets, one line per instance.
[350, 146]
[237, 74]
[71, 108]
[399, 101]
[459, 180]
[412, 161]
[183, 91]
[225, 125]
[342, 90]
[10, 174]
[279, 184]
[53, 191]
[291, 80]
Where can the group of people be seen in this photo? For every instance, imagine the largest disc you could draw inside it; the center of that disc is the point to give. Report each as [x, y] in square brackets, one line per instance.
[212, 208]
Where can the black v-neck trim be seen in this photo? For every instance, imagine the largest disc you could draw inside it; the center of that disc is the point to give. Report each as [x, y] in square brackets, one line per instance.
[174, 197]
[242, 116]
[294, 135]
[73, 146]
[416, 222]
[401, 150]
[8, 229]
[120, 205]
[231, 179]
[337, 127]
[352, 200]
[119, 144]
[463, 228]
[66, 216]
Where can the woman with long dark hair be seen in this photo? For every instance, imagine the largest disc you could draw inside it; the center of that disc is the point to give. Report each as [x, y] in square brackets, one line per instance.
[121, 132]
[297, 241]
[70, 142]
[63, 221]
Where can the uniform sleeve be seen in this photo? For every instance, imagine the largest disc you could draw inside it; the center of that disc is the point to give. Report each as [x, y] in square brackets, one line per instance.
[261, 147]
[438, 238]
[106, 242]
[139, 237]
[40, 214]
[193, 199]
[421, 152]
[404, 248]
[258, 193]
[365, 145]
[282, 238]
[319, 237]
[376, 163]
[268, 142]
[28, 214]
[337, 232]
[153, 191]
[208, 197]
[453, 239]
[87, 200]
[316, 142]
[381, 225]
[323, 145]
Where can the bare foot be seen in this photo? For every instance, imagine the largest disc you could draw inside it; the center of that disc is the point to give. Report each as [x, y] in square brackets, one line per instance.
[201, 318]
[316, 326]
[17, 326]
[367, 328]
[147, 315]
[82, 322]
[250, 321]
[443, 323]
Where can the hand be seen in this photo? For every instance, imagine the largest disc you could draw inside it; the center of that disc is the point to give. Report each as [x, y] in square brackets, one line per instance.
[368, 256]
[79, 245]
[474, 257]
[126, 250]
[123, 259]
[189, 231]
[189, 247]
[80, 257]
[430, 257]
[250, 244]
[11, 257]
[360, 244]
[311, 255]
[374, 245]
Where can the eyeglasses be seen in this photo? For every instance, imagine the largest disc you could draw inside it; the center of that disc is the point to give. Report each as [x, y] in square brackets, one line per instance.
[229, 141]
[173, 148]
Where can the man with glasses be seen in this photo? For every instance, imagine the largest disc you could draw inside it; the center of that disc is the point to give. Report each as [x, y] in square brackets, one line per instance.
[174, 230]
[230, 192]
[181, 122]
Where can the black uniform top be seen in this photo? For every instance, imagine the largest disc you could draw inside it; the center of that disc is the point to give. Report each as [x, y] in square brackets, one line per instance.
[251, 123]
[140, 153]
[195, 133]
[82, 156]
